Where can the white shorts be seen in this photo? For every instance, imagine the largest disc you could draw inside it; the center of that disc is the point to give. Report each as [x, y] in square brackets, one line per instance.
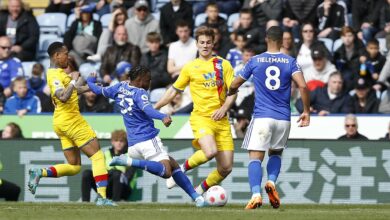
[151, 149]
[266, 133]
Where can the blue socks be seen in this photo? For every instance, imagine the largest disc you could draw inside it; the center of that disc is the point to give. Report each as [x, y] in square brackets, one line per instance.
[255, 175]
[273, 167]
[182, 180]
[152, 167]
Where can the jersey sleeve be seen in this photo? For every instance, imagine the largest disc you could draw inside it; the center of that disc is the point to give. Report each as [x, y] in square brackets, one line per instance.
[141, 99]
[56, 82]
[183, 80]
[246, 73]
[228, 73]
[111, 91]
[295, 68]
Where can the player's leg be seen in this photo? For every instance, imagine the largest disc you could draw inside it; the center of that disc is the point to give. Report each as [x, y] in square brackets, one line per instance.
[255, 175]
[72, 155]
[224, 168]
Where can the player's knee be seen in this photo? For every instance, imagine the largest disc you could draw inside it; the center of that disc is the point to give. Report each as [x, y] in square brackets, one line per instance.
[168, 171]
[225, 170]
[76, 169]
[210, 154]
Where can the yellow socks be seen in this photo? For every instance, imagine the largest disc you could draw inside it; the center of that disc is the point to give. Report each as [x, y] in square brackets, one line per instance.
[100, 172]
[61, 170]
[214, 178]
[195, 160]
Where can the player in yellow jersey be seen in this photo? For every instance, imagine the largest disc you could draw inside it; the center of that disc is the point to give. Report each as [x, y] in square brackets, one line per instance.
[209, 78]
[74, 132]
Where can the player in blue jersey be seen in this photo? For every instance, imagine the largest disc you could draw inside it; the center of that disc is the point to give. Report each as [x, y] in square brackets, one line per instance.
[269, 129]
[145, 147]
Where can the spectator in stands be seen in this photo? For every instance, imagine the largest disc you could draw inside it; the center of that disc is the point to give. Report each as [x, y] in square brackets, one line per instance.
[11, 131]
[20, 25]
[140, 25]
[225, 6]
[222, 44]
[309, 40]
[351, 128]
[213, 20]
[374, 61]
[61, 6]
[328, 99]
[120, 178]
[102, 7]
[243, 115]
[387, 136]
[294, 98]
[364, 100]
[122, 71]
[265, 10]
[255, 35]
[347, 57]
[37, 82]
[10, 67]
[83, 35]
[156, 60]
[8, 190]
[384, 106]
[23, 101]
[331, 19]
[288, 45]
[174, 106]
[2, 99]
[92, 103]
[247, 54]
[384, 23]
[365, 19]
[121, 50]
[321, 68]
[119, 17]
[181, 51]
[171, 13]
[297, 12]
[234, 55]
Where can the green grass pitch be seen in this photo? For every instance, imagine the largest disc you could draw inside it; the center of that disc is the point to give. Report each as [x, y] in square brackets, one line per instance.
[155, 211]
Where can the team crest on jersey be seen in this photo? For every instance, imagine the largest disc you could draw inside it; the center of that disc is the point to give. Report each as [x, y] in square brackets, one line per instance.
[218, 66]
[56, 83]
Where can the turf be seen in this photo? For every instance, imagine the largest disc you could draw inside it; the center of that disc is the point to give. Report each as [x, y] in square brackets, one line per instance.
[155, 211]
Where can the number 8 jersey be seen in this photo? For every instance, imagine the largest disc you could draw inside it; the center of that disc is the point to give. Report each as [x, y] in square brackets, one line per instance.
[132, 101]
[272, 73]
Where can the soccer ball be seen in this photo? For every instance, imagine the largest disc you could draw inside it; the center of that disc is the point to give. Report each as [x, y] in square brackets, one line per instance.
[216, 196]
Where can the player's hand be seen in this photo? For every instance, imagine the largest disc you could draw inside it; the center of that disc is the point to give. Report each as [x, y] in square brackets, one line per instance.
[91, 78]
[167, 121]
[75, 75]
[22, 112]
[304, 119]
[323, 113]
[219, 114]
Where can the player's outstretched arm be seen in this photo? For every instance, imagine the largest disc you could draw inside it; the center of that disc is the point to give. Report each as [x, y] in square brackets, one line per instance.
[237, 82]
[304, 118]
[91, 80]
[64, 94]
[154, 114]
[167, 98]
[81, 86]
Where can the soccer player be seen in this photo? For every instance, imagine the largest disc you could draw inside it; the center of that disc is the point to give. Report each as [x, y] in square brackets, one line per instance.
[145, 147]
[209, 78]
[270, 126]
[74, 132]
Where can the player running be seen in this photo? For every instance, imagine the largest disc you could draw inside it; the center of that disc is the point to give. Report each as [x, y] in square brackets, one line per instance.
[209, 78]
[142, 136]
[270, 126]
[74, 132]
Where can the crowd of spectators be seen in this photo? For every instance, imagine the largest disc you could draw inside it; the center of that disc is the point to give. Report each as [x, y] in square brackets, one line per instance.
[351, 74]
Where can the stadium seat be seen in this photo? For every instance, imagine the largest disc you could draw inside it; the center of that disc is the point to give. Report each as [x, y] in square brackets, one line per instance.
[27, 68]
[72, 17]
[232, 19]
[44, 41]
[45, 63]
[337, 44]
[328, 43]
[105, 20]
[156, 94]
[52, 23]
[156, 15]
[86, 69]
[382, 46]
[201, 18]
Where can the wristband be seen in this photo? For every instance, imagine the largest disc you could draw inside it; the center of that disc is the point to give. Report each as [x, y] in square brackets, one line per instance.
[73, 82]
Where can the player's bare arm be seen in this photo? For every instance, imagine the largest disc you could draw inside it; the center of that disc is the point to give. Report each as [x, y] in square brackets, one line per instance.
[64, 94]
[304, 118]
[221, 112]
[167, 98]
[237, 82]
[81, 86]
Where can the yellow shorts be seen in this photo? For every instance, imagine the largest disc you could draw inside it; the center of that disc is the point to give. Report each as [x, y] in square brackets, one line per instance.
[74, 133]
[202, 126]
